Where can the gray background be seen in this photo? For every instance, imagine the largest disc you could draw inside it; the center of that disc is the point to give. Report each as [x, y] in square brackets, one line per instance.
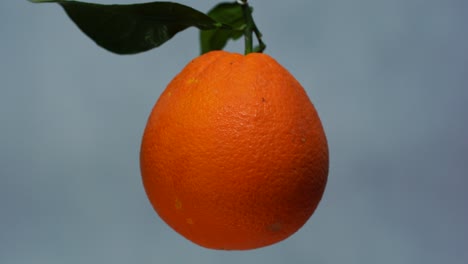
[389, 79]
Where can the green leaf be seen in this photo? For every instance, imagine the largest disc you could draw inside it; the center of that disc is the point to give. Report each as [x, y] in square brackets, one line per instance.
[134, 28]
[227, 13]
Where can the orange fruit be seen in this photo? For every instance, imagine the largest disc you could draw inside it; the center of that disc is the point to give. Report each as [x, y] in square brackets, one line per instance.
[234, 155]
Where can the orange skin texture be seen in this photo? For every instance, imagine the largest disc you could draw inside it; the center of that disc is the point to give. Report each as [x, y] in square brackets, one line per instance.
[234, 155]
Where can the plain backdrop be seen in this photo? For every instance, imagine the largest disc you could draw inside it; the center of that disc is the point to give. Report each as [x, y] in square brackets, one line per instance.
[389, 79]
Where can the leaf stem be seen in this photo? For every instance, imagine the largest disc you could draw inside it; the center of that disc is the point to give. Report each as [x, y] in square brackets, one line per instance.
[250, 29]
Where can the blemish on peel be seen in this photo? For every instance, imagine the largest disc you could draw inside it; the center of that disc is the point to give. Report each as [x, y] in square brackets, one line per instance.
[192, 80]
[178, 204]
[275, 227]
[303, 140]
[189, 221]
